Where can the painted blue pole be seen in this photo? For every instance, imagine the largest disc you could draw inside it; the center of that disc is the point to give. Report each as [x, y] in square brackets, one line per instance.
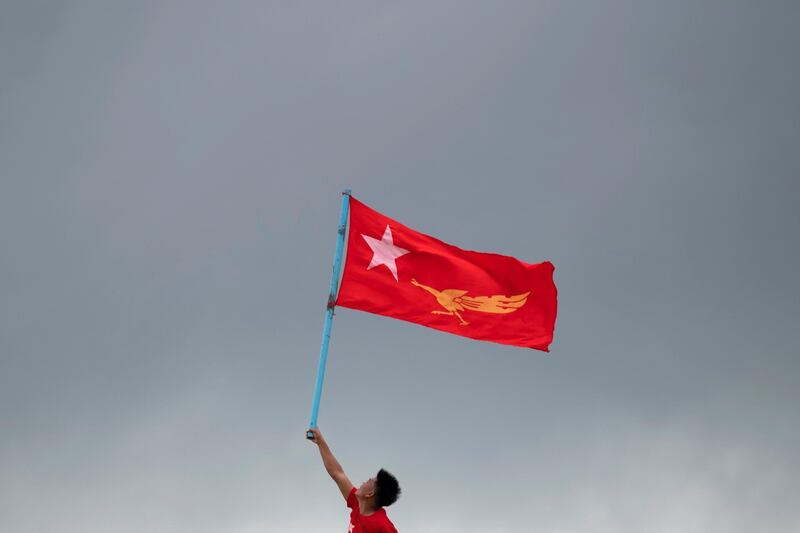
[326, 329]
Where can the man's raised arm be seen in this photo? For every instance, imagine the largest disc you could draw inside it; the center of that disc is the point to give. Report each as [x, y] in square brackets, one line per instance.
[331, 464]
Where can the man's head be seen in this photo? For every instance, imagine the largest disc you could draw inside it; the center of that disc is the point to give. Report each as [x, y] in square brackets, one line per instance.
[383, 489]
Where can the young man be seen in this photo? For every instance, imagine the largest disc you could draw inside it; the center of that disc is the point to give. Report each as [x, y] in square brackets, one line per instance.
[368, 500]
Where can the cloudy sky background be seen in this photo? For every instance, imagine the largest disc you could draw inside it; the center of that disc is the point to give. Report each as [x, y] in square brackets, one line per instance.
[169, 190]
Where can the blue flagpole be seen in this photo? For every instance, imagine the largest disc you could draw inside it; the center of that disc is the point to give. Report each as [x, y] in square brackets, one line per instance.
[326, 329]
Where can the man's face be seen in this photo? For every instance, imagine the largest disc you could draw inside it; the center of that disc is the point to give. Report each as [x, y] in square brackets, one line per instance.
[367, 488]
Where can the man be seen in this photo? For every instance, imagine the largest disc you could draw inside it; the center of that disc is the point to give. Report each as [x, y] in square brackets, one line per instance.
[367, 501]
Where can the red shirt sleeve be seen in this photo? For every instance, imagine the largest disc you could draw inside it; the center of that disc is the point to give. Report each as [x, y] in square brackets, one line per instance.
[352, 501]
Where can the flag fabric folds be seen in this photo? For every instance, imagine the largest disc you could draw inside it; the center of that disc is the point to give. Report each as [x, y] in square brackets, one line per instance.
[394, 271]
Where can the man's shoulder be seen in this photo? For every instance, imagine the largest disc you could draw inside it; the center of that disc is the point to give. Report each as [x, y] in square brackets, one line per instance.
[386, 525]
[351, 500]
[377, 522]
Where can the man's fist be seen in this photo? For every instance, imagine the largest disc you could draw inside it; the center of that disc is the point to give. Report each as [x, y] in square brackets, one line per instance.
[314, 435]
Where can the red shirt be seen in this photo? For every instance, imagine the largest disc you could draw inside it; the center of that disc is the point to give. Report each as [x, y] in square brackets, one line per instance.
[377, 522]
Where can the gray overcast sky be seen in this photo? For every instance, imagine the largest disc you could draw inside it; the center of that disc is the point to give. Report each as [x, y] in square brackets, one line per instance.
[169, 190]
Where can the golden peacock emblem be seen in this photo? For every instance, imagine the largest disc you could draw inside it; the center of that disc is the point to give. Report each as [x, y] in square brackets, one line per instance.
[455, 300]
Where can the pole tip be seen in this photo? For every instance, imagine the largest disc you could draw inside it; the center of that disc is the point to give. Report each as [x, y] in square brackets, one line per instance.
[346, 192]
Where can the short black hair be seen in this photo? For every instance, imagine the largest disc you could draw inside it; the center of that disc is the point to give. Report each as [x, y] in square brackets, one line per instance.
[387, 489]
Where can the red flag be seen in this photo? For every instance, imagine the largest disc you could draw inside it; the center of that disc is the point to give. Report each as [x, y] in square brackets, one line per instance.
[394, 271]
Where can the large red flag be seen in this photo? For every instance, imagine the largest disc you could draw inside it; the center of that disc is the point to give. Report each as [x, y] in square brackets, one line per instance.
[394, 271]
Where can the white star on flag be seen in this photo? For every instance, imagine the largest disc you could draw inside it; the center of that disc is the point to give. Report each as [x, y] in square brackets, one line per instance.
[384, 252]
